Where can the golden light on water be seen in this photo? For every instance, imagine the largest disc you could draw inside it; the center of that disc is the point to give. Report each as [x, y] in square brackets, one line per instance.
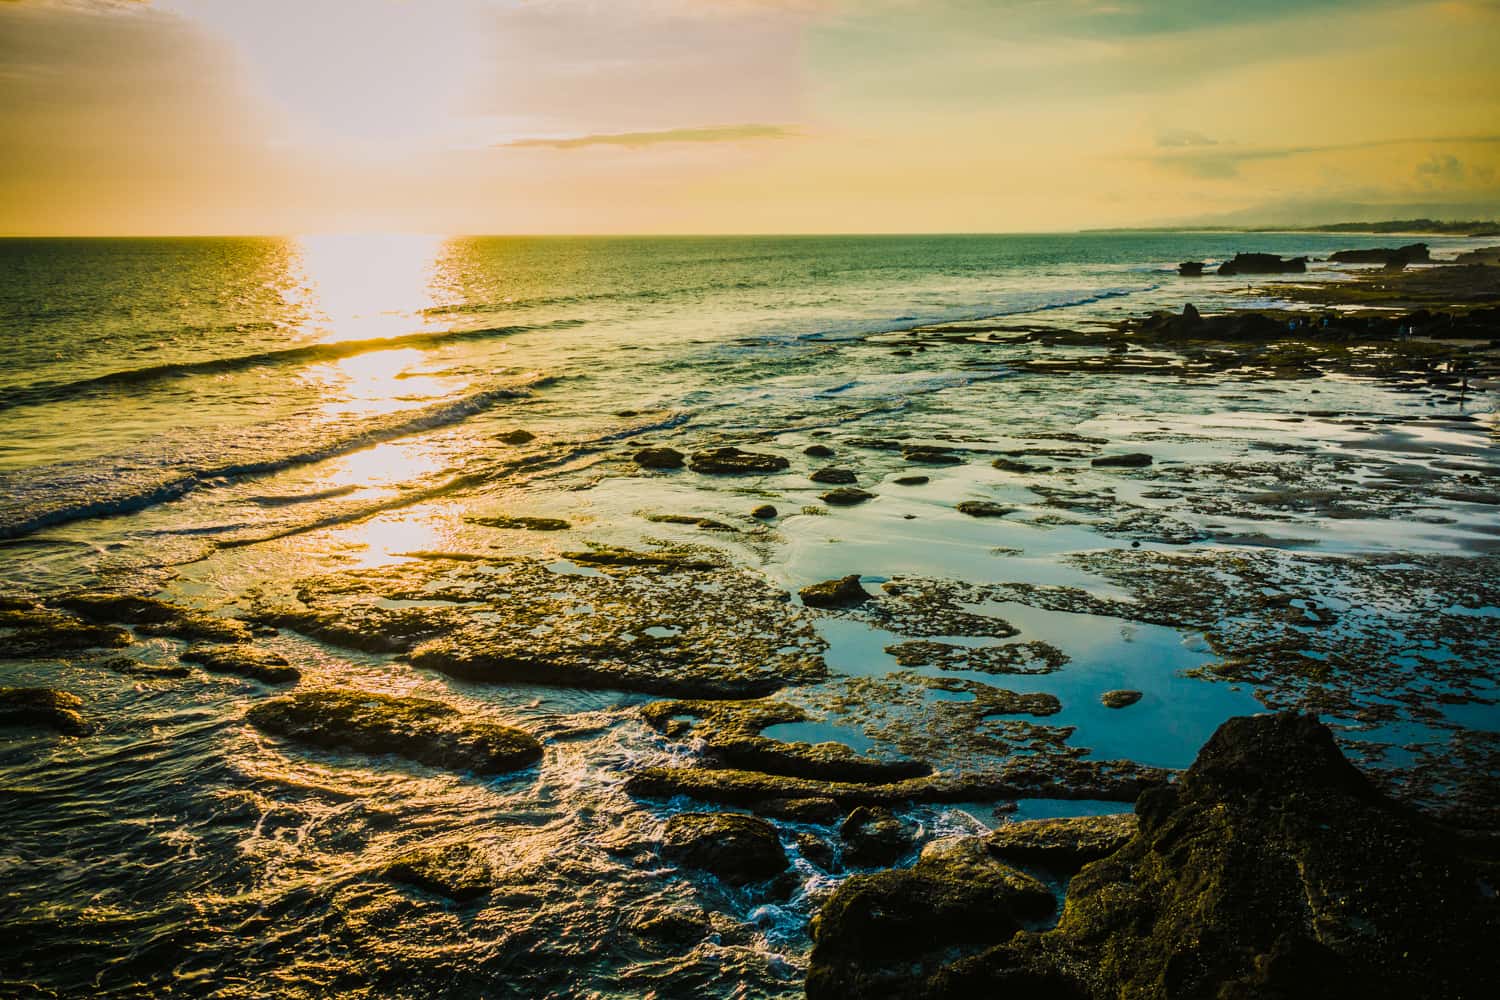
[364, 286]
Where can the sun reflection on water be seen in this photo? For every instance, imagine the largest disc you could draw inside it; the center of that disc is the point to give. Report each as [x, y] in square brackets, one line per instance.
[364, 286]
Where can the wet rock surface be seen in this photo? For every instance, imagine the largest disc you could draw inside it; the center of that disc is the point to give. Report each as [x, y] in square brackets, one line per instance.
[660, 458]
[522, 523]
[874, 837]
[844, 592]
[1274, 868]
[733, 461]
[244, 660]
[1119, 698]
[1065, 844]
[27, 629]
[883, 934]
[151, 616]
[833, 477]
[43, 707]
[845, 496]
[419, 729]
[460, 872]
[738, 849]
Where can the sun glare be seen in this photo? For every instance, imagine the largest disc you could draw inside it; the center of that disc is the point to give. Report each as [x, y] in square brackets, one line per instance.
[361, 286]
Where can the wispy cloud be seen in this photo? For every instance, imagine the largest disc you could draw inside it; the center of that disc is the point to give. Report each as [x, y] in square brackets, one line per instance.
[1225, 161]
[636, 140]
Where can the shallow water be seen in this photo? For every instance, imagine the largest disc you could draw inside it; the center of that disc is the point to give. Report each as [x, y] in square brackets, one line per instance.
[214, 420]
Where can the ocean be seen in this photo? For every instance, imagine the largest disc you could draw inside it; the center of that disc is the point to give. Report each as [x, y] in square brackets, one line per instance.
[220, 421]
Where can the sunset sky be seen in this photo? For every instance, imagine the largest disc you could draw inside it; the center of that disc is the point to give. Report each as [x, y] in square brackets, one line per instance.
[689, 116]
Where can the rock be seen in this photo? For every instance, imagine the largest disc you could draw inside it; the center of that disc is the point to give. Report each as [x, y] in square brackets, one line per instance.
[1191, 269]
[738, 849]
[244, 660]
[678, 926]
[802, 810]
[1190, 314]
[1414, 253]
[816, 850]
[522, 523]
[818, 451]
[845, 496]
[151, 616]
[1011, 465]
[912, 480]
[931, 455]
[35, 706]
[731, 461]
[834, 476]
[459, 871]
[667, 560]
[1484, 257]
[764, 512]
[516, 437]
[1133, 460]
[134, 668]
[1065, 844]
[875, 837]
[842, 593]
[419, 729]
[881, 934]
[34, 631]
[1262, 263]
[1273, 869]
[1119, 699]
[983, 508]
[659, 458]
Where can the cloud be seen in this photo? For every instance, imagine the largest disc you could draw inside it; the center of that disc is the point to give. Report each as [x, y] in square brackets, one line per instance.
[637, 140]
[1225, 162]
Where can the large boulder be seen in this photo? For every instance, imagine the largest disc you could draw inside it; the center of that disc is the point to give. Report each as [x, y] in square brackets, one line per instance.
[738, 849]
[1413, 253]
[1273, 869]
[1262, 263]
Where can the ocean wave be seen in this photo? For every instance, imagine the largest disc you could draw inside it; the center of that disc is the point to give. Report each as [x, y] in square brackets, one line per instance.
[124, 484]
[48, 392]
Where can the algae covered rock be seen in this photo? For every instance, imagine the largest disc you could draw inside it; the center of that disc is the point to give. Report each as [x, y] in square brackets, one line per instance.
[764, 512]
[522, 523]
[1132, 460]
[733, 461]
[37, 706]
[844, 592]
[29, 630]
[244, 660]
[419, 729]
[738, 849]
[882, 934]
[983, 508]
[1122, 698]
[874, 836]
[1274, 869]
[845, 496]
[152, 616]
[459, 871]
[660, 458]
[1064, 844]
[834, 477]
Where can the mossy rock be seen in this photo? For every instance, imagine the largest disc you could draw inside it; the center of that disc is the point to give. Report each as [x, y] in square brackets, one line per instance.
[36, 706]
[738, 849]
[459, 871]
[152, 616]
[1065, 844]
[244, 660]
[29, 630]
[844, 592]
[733, 461]
[521, 523]
[660, 458]
[882, 934]
[874, 837]
[834, 477]
[845, 496]
[419, 729]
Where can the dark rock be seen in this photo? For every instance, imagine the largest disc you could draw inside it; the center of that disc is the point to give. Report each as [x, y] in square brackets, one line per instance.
[816, 850]
[1065, 844]
[659, 458]
[420, 729]
[1119, 699]
[882, 934]
[246, 661]
[1273, 869]
[1133, 460]
[738, 849]
[706, 523]
[516, 437]
[730, 461]
[932, 455]
[459, 871]
[36, 706]
[34, 631]
[522, 523]
[875, 837]
[678, 926]
[1484, 257]
[1011, 465]
[764, 512]
[1191, 269]
[1414, 253]
[667, 560]
[1191, 315]
[983, 508]
[834, 477]
[1262, 263]
[818, 451]
[845, 496]
[912, 480]
[151, 616]
[134, 668]
[842, 593]
[802, 810]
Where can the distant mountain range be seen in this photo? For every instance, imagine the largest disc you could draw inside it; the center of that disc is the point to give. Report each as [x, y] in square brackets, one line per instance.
[1433, 226]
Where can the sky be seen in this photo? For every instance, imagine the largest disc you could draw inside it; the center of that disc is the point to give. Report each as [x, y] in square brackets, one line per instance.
[129, 117]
